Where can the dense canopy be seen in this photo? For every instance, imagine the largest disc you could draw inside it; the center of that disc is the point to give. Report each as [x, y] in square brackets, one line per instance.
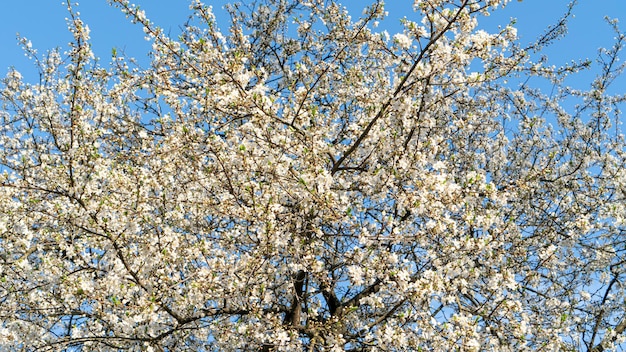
[305, 181]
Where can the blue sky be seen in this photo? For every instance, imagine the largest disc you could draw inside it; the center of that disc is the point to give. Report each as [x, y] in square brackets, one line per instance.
[43, 22]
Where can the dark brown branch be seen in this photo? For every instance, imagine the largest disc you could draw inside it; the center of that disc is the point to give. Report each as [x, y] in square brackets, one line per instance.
[293, 315]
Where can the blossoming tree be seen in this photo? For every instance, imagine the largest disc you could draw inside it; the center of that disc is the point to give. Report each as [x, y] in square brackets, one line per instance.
[305, 182]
